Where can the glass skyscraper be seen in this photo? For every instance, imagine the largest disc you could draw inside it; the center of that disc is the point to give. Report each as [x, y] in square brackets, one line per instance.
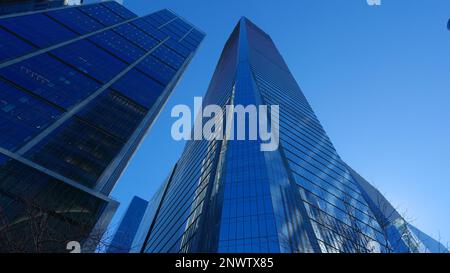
[79, 88]
[229, 196]
[122, 242]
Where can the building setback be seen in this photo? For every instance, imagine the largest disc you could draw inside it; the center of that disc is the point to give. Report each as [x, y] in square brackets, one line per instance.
[79, 88]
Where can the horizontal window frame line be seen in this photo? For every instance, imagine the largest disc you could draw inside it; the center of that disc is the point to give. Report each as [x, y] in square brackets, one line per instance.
[115, 11]
[50, 48]
[55, 175]
[74, 110]
[41, 11]
[186, 34]
[137, 137]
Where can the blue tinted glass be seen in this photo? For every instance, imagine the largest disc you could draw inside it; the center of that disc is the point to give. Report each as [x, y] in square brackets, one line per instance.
[165, 14]
[119, 9]
[21, 183]
[38, 29]
[178, 27]
[75, 20]
[182, 25]
[22, 116]
[91, 60]
[178, 47]
[101, 14]
[53, 80]
[156, 69]
[197, 35]
[117, 45]
[139, 88]
[11, 46]
[149, 29]
[123, 115]
[76, 150]
[172, 31]
[136, 36]
[169, 56]
[154, 20]
[189, 42]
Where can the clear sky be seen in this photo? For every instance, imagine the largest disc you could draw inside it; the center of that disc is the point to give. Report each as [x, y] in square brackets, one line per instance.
[378, 79]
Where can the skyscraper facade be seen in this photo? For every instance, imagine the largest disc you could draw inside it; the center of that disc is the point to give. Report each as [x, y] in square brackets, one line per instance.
[126, 231]
[79, 88]
[15, 6]
[400, 235]
[230, 196]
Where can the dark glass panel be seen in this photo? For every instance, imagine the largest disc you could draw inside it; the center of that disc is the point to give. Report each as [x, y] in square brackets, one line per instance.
[77, 150]
[179, 47]
[117, 45]
[148, 28]
[22, 116]
[51, 79]
[39, 211]
[91, 60]
[101, 14]
[123, 115]
[75, 20]
[169, 56]
[11, 46]
[119, 9]
[38, 29]
[138, 87]
[136, 36]
[156, 69]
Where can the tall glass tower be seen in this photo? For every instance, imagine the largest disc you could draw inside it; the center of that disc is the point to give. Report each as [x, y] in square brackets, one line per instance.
[79, 88]
[229, 196]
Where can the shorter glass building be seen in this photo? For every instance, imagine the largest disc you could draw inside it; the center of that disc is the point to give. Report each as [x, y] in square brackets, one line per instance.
[123, 238]
[80, 86]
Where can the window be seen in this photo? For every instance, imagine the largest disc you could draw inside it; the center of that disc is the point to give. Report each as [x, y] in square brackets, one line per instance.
[156, 69]
[11, 46]
[75, 20]
[38, 29]
[91, 60]
[178, 47]
[119, 9]
[51, 79]
[22, 116]
[139, 88]
[123, 115]
[117, 45]
[101, 14]
[169, 56]
[149, 29]
[77, 150]
[136, 36]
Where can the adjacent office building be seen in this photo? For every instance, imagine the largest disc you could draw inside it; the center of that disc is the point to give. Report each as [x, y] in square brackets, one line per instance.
[79, 88]
[122, 241]
[230, 196]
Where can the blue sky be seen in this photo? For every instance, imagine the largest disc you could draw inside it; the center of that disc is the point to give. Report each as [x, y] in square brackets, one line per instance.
[378, 79]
